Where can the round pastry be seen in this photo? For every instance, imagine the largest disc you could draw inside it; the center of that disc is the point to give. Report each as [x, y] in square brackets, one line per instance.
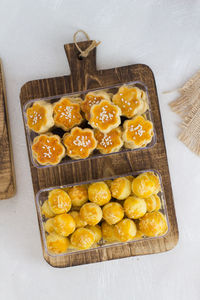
[40, 116]
[139, 235]
[49, 226]
[47, 149]
[67, 113]
[155, 178]
[97, 232]
[57, 244]
[78, 195]
[135, 208]
[82, 238]
[64, 224]
[153, 203]
[46, 210]
[79, 143]
[93, 98]
[105, 116]
[113, 212]
[91, 213]
[153, 224]
[59, 201]
[77, 218]
[108, 232]
[143, 186]
[126, 230]
[131, 100]
[120, 188]
[99, 193]
[138, 132]
[109, 142]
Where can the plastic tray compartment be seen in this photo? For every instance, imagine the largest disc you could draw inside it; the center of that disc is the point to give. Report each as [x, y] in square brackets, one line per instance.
[67, 160]
[42, 195]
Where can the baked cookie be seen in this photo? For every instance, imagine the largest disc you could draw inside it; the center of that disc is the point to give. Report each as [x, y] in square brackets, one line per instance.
[59, 201]
[109, 233]
[134, 207]
[40, 116]
[153, 224]
[91, 213]
[105, 116]
[80, 143]
[144, 186]
[46, 210]
[125, 230]
[97, 232]
[93, 98]
[67, 113]
[109, 142]
[47, 149]
[57, 244]
[113, 212]
[131, 100]
[138, 132]
[77, 218]
[78, 195]
[64, 224]
[99, 193]
[82, 238]
[153, 203]
[120, 188]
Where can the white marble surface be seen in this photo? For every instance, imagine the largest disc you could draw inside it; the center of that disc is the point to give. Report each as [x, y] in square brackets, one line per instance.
[162, 34]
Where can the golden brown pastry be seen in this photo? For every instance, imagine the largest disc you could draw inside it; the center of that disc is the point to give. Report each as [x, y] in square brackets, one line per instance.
[78, 195]
[57, 244]
[47, 149]
[134, 207]
[126, 230]
[46, 210]
[80, 143]
[67, 113]
[64, 224]
[120, 188]
[153, 203]
[91, 213]
[105, 116]
[131, 100]
[97, 232]
[108, 232]
[138, 132]
[59, 201]
[109, 142]
[82, 238]
[40, 116]
[93, 98]
[77, 218]
[49, 226]
[99, 193]
[113, 212]
[153, 224]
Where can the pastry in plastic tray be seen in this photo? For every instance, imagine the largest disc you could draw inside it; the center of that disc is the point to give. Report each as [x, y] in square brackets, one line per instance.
[82, 238]
[67, 113]
[131, 100]
[113, 213]
[91, 213]
[153, 224]
[120, 188]
[105, 116]
[92, 98]
[47, 149]
[99, 193]
[40, 116]
[79, 143]
[109, 142]
[138, 132]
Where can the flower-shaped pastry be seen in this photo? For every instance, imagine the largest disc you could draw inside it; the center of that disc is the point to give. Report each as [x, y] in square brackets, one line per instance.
[105, 116]
[138, 132]
[109, 142]
[67, 113]
[40, 116]
[47, 149]
[131, 100]
[79, 142]
[91, 99]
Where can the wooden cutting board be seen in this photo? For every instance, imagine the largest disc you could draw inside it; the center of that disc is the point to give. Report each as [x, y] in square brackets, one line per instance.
[84, 76]
[7, 176]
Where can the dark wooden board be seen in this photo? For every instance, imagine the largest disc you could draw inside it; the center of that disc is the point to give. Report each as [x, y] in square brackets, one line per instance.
[84, 76]
[7, 176]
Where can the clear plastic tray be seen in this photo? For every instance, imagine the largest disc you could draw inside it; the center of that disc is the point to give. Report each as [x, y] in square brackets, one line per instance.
[42, 195]
[67, 160]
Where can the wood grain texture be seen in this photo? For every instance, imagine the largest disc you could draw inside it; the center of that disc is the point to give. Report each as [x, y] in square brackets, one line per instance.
[85, 76]
[7, 176]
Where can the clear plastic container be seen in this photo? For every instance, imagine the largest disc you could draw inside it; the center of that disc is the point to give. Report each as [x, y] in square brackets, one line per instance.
[42, 195]
[110, 89]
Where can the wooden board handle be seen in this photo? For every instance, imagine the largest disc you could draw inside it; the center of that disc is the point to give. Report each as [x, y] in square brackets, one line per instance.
[81, 68]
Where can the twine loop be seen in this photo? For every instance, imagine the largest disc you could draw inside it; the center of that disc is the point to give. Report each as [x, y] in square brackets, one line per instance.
[94, 44]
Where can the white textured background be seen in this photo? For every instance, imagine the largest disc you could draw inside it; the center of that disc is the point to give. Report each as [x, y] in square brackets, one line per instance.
[162, 34]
